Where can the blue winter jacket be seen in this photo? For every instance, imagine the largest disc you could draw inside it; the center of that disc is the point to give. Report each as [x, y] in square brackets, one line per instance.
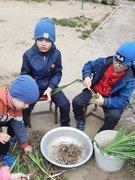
[45, 68]
[121, 91]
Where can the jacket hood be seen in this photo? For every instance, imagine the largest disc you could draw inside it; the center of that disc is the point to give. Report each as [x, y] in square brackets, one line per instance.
[5, 97]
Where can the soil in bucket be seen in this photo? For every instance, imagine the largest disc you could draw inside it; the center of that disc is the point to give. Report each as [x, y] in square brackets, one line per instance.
[106, 162]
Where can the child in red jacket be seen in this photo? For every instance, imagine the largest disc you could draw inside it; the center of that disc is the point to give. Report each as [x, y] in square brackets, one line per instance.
[21, 93]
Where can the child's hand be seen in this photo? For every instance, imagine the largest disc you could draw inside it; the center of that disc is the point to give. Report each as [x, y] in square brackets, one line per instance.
[48, 94]
[98, 101]
[18, 176]
[28, 149]
[4, 137]
[87, 82]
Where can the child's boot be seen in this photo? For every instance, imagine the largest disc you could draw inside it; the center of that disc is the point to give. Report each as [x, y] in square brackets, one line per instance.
[80, 124]
[7, 159]
[65, 123]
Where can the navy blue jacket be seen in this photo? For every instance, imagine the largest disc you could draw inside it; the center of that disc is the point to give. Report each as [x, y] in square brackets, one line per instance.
[121, 91]
[45, 68]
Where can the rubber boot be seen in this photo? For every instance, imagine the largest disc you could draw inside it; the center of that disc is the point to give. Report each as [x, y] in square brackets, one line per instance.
[80, 124]
[7, 159]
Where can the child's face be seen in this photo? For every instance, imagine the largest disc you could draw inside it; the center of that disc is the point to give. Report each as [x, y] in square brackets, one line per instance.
[118, 66]
[43, 44]
[19, 105]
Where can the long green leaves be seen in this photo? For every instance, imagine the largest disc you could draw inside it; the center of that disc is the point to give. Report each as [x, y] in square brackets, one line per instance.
[36, 160]
[64, 86]
[122, 146]
[35, 164]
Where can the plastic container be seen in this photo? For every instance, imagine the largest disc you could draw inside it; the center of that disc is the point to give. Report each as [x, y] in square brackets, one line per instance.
[106, 162]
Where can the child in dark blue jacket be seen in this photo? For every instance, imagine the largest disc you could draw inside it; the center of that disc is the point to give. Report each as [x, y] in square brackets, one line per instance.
[113, 79]
[43, 63]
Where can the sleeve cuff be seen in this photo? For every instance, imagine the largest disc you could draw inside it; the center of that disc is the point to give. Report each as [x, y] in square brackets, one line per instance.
[52, 86]
[24, 145]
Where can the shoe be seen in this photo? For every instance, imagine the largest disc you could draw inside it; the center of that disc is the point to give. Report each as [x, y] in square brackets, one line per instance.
[7, 159]
[80, 125]
[66, 125]
[13, 141]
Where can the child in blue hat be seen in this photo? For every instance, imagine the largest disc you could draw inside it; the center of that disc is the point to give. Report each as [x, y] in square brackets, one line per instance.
[43, 62]
[113, 79]
[18, 96]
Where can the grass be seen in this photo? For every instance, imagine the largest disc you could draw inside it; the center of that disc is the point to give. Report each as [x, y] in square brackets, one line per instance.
[82, 24]
[65, 22]
[7, 80]
[1, 20]
[130, 105]
[21, 42]
[15, 74]
[131, 166]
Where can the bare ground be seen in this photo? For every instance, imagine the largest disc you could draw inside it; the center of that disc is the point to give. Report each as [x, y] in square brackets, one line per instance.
[17, 22]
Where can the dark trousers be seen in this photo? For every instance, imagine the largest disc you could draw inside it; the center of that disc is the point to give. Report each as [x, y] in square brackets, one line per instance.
[111, 115]
[61, 102]
[4, 148]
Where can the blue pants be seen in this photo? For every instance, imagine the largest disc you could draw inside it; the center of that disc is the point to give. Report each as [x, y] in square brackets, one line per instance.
[111, 115]
[61, 102]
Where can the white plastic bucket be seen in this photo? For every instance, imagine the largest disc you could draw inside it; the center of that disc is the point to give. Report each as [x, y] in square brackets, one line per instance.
[106, 162]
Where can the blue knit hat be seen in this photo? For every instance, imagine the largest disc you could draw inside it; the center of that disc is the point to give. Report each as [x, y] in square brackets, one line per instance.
[45, 29]
[126, 53]
[25, 89]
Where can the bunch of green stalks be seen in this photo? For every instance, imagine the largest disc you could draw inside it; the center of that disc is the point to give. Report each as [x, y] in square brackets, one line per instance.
[122, 146]
[34, 164]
